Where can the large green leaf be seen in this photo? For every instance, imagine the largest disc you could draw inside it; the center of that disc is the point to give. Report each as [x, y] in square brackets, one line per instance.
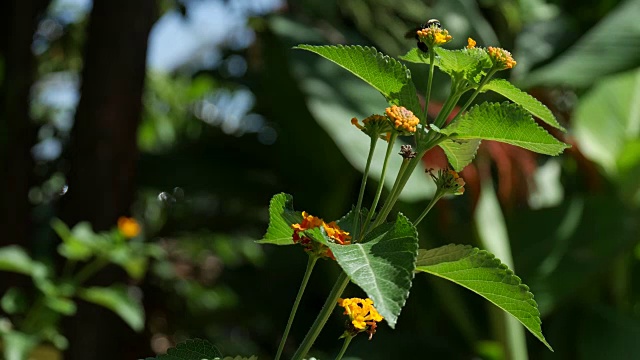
[281, 216]
[391, 78]
[480, 272]
[383, 265]
[460, 153]
[192, 349]
[528, 102]
[117, 299]
[507, 123]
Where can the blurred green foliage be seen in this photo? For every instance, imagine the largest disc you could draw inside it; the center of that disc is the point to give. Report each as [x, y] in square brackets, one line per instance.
[203, 186]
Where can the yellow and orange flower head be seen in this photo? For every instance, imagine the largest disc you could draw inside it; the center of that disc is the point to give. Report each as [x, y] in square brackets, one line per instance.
[501, 58]
[335, 233]
[471, 44]
[363, 317]
[128, 227]
[448, 181]
[434, 36]
[402, 119]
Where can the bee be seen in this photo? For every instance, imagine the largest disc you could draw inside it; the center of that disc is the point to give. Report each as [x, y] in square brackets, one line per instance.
[413, 33]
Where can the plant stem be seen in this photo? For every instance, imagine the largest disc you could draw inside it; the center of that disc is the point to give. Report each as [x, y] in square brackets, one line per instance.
[374, 205]
[363, 183]
[449, 104]
[322, 317]
[475, 93]
[90, 270]
[307, 274]
[347, 341]
[433, 201]
[396, 187]
[429, 83]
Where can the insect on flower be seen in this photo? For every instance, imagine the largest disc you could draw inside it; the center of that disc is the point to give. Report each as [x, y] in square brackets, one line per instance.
[413, 33]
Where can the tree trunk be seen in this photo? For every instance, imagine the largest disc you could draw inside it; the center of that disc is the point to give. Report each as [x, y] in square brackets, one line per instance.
[17, 134]
[103, 152]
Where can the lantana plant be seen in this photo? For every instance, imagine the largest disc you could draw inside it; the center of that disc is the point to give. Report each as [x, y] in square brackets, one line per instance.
[379, 251]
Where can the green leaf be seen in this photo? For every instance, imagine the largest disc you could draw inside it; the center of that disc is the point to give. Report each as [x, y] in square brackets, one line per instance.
[14, 301]
[382, 265]
[468, 63]
[460, 153]
[528, 102]
[507, 123]
[60, 304]
[281, 216]
[117, 299]
[418, 56]
[192, 349]
[17, 345]
[13, 258]
[390, 77]
[480, 272]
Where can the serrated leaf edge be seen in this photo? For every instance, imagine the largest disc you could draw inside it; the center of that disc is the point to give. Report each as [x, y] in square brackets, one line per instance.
[450, 130]
[499, 266]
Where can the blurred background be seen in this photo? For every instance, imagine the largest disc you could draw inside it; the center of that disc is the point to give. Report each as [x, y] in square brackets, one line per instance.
[190, 114]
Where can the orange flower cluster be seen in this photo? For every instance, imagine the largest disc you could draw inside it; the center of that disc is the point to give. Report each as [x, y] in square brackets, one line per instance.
[403, 119]
[362, 314]
[129, 227]
[332, 230]
[501, 58]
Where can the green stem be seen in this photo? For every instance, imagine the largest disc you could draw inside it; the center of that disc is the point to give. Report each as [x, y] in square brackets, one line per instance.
[433, 201]
[323, 316]
[347, 341]
[90, 270]
[429, 84]
[396, 186]
[448, 105]
[475, 93]
[363, 184]
[307, 274]
[374, 205]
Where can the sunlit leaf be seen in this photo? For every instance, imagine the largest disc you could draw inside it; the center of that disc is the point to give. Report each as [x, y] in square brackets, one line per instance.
[528, 102]
[480, 272]
[382, 265]
[281, 216]
[391, 78]
[507, 123]
[468, 63]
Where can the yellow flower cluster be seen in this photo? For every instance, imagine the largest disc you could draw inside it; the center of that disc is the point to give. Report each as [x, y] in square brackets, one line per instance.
[129, 227]
[402, 118]
[501, 58]
[332, 229]
[434, 36]
[363, 316]
[471, 43]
